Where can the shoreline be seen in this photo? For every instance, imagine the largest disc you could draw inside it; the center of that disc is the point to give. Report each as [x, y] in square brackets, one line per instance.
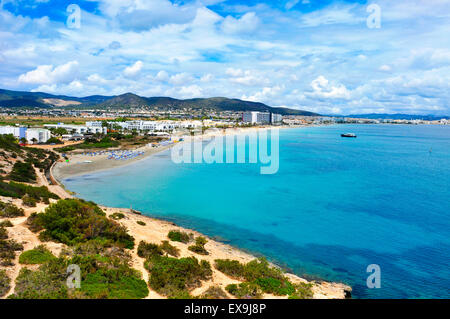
[157, 228]
[79, 167]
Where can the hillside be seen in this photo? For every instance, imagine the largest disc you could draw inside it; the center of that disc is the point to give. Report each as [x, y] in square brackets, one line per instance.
[129, 100]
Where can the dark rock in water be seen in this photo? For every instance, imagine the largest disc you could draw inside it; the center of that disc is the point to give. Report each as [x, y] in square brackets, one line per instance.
[220, 239]
[135, 212]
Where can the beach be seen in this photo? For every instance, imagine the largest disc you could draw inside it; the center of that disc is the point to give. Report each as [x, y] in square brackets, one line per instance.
[81, 164]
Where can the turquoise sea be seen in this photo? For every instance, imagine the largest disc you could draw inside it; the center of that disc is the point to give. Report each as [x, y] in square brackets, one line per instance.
[335, 206]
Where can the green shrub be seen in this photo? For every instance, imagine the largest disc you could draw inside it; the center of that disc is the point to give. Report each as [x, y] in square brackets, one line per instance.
[169, 249]
[72, 221]
[6, 223]
[302, 291]
[8, 210]
[38, 255]
[245, 290]
[179, 236]
[258, 272]
[139, 222]
[5, 283]
[170, 276]
[48, 282]
[214, 292]
[23, 172]
[8, 250]
[275, 286]
[260, 268]
[33, 224]
[199, 246]
[3, 233]
[231, 268]
[117, 216]
[105, 273]
[29, 201]
[18, 190]
[148, 250]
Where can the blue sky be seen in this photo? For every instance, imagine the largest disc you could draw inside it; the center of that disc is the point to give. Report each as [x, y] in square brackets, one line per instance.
[316, 55]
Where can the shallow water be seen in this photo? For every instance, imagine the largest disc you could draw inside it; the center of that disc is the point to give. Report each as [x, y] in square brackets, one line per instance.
[335, 206]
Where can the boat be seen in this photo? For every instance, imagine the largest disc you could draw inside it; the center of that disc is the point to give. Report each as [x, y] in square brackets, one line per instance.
[348, 135]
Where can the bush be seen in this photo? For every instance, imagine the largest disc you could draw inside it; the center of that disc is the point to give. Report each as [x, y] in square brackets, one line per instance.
[141, 223]
[29, 201]
[214, 292]
[117, 216]
[23, 172]
[3, 233]
[179, 236]
[38, 255]
[302, 291]
[105, 273]
[6, 223]
[259, 268]
[199, 246]
[258, 272]
[8, 250]
[169, 249]
[72, 221]
[245, 290]
[231, 268]
[32, 223]
[18, 190]
[5, 283]
[148, 250]
[170, 276]
[8, 210]
[275, 286]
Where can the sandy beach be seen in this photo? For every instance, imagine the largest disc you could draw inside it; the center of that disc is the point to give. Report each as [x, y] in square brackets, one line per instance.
[80, 164]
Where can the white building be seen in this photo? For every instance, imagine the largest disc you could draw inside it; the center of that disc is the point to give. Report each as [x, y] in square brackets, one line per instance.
[37, 135]
[18, 132]
[276, 118]
[256, 117]
[93, 128]
[157, 126]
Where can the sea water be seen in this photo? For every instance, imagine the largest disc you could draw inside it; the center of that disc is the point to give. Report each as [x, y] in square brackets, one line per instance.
[335, 206]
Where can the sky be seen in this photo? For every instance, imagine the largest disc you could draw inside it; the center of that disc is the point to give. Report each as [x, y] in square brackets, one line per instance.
[326, 56]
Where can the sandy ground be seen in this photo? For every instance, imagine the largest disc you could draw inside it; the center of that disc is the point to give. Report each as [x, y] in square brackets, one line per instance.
[154, 231]
[80, 164]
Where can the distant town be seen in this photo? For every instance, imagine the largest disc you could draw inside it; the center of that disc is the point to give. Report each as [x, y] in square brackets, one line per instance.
[38, 126]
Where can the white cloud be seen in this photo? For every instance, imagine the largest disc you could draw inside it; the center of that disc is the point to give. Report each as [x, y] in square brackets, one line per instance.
[48, 74]
[249, 22]
[162, 76]
[323, 89]
[133, 70]
[181, 79]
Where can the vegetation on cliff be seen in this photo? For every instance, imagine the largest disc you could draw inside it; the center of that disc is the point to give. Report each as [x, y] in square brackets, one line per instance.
[73, 221]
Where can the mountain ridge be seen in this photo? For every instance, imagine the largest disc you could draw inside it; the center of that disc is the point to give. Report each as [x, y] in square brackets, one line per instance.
[10, 98]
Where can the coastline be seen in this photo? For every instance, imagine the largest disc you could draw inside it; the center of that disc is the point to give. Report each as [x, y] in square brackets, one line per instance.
[78, 165]
[155, 230]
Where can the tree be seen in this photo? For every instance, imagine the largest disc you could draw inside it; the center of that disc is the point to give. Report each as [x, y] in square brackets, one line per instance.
[23, 140]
